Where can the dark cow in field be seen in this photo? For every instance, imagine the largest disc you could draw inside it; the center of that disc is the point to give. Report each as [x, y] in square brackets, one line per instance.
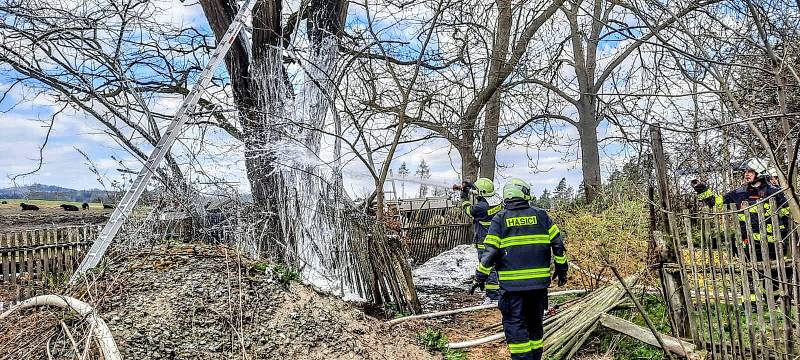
[85, 206]
[106, 206]
[68, 207]
[26, 207]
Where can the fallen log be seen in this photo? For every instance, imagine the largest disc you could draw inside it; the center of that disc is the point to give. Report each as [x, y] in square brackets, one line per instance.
[676, 346]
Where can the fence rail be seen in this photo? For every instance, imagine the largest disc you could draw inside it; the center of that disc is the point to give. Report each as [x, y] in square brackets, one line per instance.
[430, 231]
[740, 285]
[32, 257]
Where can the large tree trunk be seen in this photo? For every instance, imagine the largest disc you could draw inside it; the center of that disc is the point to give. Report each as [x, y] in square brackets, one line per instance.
[494, 106]
[590, 153]
[258, 89]
[307, 227]
[469, 163]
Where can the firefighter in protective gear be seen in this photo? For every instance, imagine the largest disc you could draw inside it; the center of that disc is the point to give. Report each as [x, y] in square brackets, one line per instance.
[520, 245]
[481, 213]
[753, 192]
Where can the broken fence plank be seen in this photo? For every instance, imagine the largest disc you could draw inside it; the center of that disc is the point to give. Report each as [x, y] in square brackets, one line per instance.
[672, 344]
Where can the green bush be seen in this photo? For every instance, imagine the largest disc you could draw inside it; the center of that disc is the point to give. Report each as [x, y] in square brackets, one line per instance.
[435, 340]
[283, 274]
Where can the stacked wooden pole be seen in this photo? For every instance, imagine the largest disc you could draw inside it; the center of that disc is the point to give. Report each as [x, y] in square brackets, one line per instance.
[566, 331]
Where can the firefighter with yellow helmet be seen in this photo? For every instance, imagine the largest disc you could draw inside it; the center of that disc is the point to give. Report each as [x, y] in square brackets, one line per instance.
[520, 245]
[481, 213]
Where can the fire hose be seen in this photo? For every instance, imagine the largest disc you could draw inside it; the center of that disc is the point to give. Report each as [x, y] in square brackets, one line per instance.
[101, 331]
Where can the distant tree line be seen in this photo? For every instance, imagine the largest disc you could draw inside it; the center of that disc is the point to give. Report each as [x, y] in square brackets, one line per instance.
[629, 182]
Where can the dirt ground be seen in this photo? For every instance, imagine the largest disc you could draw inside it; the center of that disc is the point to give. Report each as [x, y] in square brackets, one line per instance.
[50, 215]
[473, 325]
[206, 302]
[459, 327]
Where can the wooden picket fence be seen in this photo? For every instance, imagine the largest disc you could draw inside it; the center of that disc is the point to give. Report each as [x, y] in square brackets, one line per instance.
[36, 257]
[430, 231]
[737, 305]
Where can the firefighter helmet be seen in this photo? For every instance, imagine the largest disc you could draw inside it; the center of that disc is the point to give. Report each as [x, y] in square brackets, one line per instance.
[485, 187]
[754, 165]
[517, 188]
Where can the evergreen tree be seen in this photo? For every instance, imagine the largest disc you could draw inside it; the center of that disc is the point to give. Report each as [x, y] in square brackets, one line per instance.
[564, 195]
[545, 201]
[423, 172]
[559, 192]
[580, 198]
[402, 171]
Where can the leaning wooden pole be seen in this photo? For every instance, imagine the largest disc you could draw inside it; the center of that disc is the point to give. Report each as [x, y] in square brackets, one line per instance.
[642, 312]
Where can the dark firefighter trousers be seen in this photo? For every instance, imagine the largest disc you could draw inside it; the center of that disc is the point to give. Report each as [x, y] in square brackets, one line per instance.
[492, 284]
[523, 313]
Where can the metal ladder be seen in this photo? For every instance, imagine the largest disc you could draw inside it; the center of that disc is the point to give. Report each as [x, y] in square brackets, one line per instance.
[131, 197]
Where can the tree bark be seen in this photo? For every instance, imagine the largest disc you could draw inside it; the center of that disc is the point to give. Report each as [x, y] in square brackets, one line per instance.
[465, 141]
[257, 85]
[491, 120]
[590, 153]
[469, 163]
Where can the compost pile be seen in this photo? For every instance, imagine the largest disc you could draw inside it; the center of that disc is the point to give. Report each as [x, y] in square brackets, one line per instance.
[203, 302]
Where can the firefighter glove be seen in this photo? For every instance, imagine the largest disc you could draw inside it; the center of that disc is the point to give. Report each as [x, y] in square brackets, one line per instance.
[478, 281]
[465, 187]
[476, 284]
[561, 273]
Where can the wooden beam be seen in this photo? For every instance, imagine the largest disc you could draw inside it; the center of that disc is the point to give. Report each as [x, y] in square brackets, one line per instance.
[671, 344]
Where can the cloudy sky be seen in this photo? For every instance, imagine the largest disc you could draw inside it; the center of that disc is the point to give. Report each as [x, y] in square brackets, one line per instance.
[25, 119]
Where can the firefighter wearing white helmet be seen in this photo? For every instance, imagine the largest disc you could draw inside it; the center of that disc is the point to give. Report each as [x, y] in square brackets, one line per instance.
[521, 244]
[749, 197]
[481, 213]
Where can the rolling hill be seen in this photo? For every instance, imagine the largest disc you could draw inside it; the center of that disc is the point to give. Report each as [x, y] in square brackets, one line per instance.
[52, 192]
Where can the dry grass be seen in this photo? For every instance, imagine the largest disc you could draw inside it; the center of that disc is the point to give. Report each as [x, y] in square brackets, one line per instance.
[618, 234]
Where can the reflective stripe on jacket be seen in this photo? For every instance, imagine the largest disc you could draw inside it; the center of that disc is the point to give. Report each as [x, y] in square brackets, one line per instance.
[751, 195]
[481, 214]
[520, 245]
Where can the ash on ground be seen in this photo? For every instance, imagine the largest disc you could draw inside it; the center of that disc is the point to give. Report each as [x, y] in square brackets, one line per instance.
[203, 302]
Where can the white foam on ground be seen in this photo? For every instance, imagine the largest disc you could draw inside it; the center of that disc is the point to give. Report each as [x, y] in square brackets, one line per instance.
[453, 268]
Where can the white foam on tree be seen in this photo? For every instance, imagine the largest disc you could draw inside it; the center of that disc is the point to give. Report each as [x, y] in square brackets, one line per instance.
[453, 268]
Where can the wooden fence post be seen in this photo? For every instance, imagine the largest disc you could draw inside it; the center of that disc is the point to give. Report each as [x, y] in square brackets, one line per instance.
[6, 258]
[12, 241]
[681, 322]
